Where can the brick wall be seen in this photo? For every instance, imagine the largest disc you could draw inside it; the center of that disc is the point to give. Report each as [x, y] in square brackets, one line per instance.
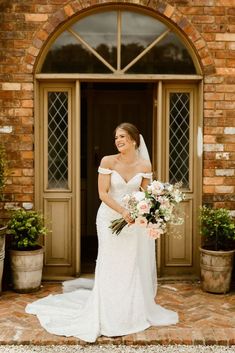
[210, 27]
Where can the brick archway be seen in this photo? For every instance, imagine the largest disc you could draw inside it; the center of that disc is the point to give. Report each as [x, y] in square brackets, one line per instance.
[166, 11]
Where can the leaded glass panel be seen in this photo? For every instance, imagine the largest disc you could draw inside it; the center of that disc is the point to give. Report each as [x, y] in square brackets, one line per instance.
[57, 140]
[179, 138]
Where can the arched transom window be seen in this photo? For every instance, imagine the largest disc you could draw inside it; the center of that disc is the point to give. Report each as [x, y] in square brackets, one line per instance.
[119, 42]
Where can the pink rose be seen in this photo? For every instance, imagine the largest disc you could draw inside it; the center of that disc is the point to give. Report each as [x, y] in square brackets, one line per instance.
[154, 233]
[156, 188]
[141, 221]
[143, 207]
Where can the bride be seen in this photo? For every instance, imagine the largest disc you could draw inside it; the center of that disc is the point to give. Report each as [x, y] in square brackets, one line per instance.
[120, 300]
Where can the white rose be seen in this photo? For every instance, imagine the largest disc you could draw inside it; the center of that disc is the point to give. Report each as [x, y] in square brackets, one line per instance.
[156, 187]
[139, 196]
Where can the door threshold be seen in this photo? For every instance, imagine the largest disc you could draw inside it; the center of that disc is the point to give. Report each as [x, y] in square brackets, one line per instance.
[183, 278]
[66, 278]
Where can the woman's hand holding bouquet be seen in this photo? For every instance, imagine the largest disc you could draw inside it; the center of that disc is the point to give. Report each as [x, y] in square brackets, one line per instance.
[152, 209]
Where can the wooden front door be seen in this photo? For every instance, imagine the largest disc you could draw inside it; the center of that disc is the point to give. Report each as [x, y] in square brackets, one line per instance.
[180, 149]
[55, 177]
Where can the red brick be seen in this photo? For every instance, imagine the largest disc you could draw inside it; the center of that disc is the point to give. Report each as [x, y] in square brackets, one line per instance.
[22, 180]
[192, 10]
[213, 130]
[209, 88]
[214, 96]
[42, 35]
[203, 19]
[208, 172]
[16, 172]
[36, 17]
[220, 62]
[28, 172]
[230, 62]
[217, 46]
[29, 189]
[208, 61]
[209, 37]
[27, 103]
[24, 198]
[214, 10]
[214, 28]
[45, 8]
[69, 10]
[221, 54]
[27, 154]
[229, 147]
[209, 139]
[213, 181]
[208, 189]
[209, 105]
[225, 105]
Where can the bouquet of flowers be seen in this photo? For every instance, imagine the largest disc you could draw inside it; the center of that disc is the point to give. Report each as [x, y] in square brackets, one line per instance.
[152, 209]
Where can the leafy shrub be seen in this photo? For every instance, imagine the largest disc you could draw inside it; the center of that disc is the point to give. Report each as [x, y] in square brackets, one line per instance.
[26, 227]
[217, 228]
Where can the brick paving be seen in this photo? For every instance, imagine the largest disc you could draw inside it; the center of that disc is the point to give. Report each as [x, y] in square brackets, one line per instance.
[205, 318]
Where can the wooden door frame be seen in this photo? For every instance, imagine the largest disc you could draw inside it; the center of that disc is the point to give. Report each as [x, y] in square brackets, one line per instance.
[160, 81]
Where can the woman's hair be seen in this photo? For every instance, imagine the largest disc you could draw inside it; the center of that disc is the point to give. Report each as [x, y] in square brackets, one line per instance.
[132, 131]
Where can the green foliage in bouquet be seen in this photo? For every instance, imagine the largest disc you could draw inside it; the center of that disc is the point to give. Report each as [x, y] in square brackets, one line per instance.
[217, 229]
[26, 227]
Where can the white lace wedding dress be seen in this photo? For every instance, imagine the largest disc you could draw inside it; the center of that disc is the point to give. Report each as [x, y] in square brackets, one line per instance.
[120, 300]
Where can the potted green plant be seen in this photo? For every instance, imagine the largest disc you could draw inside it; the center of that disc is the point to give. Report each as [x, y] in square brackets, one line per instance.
[3, 166]
[217, 250]
[26, 256]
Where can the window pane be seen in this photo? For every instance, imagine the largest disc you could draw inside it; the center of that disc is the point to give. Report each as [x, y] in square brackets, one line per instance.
[57, 140]
[138, 31]
[169, 56]
[179, 138]
[67, 55]
[100, 32]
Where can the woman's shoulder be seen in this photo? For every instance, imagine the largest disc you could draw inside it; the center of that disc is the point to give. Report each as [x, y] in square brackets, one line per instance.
[145, 165]
[108, 161]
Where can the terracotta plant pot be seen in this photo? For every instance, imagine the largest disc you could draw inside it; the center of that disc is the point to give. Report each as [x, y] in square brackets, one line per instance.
[216, 270]
[26, 268]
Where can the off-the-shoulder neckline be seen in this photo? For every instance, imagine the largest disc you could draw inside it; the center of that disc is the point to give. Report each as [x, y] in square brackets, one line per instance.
[126, 181]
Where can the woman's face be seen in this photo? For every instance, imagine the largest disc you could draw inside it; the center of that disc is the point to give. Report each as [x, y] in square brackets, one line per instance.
[123, 140]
